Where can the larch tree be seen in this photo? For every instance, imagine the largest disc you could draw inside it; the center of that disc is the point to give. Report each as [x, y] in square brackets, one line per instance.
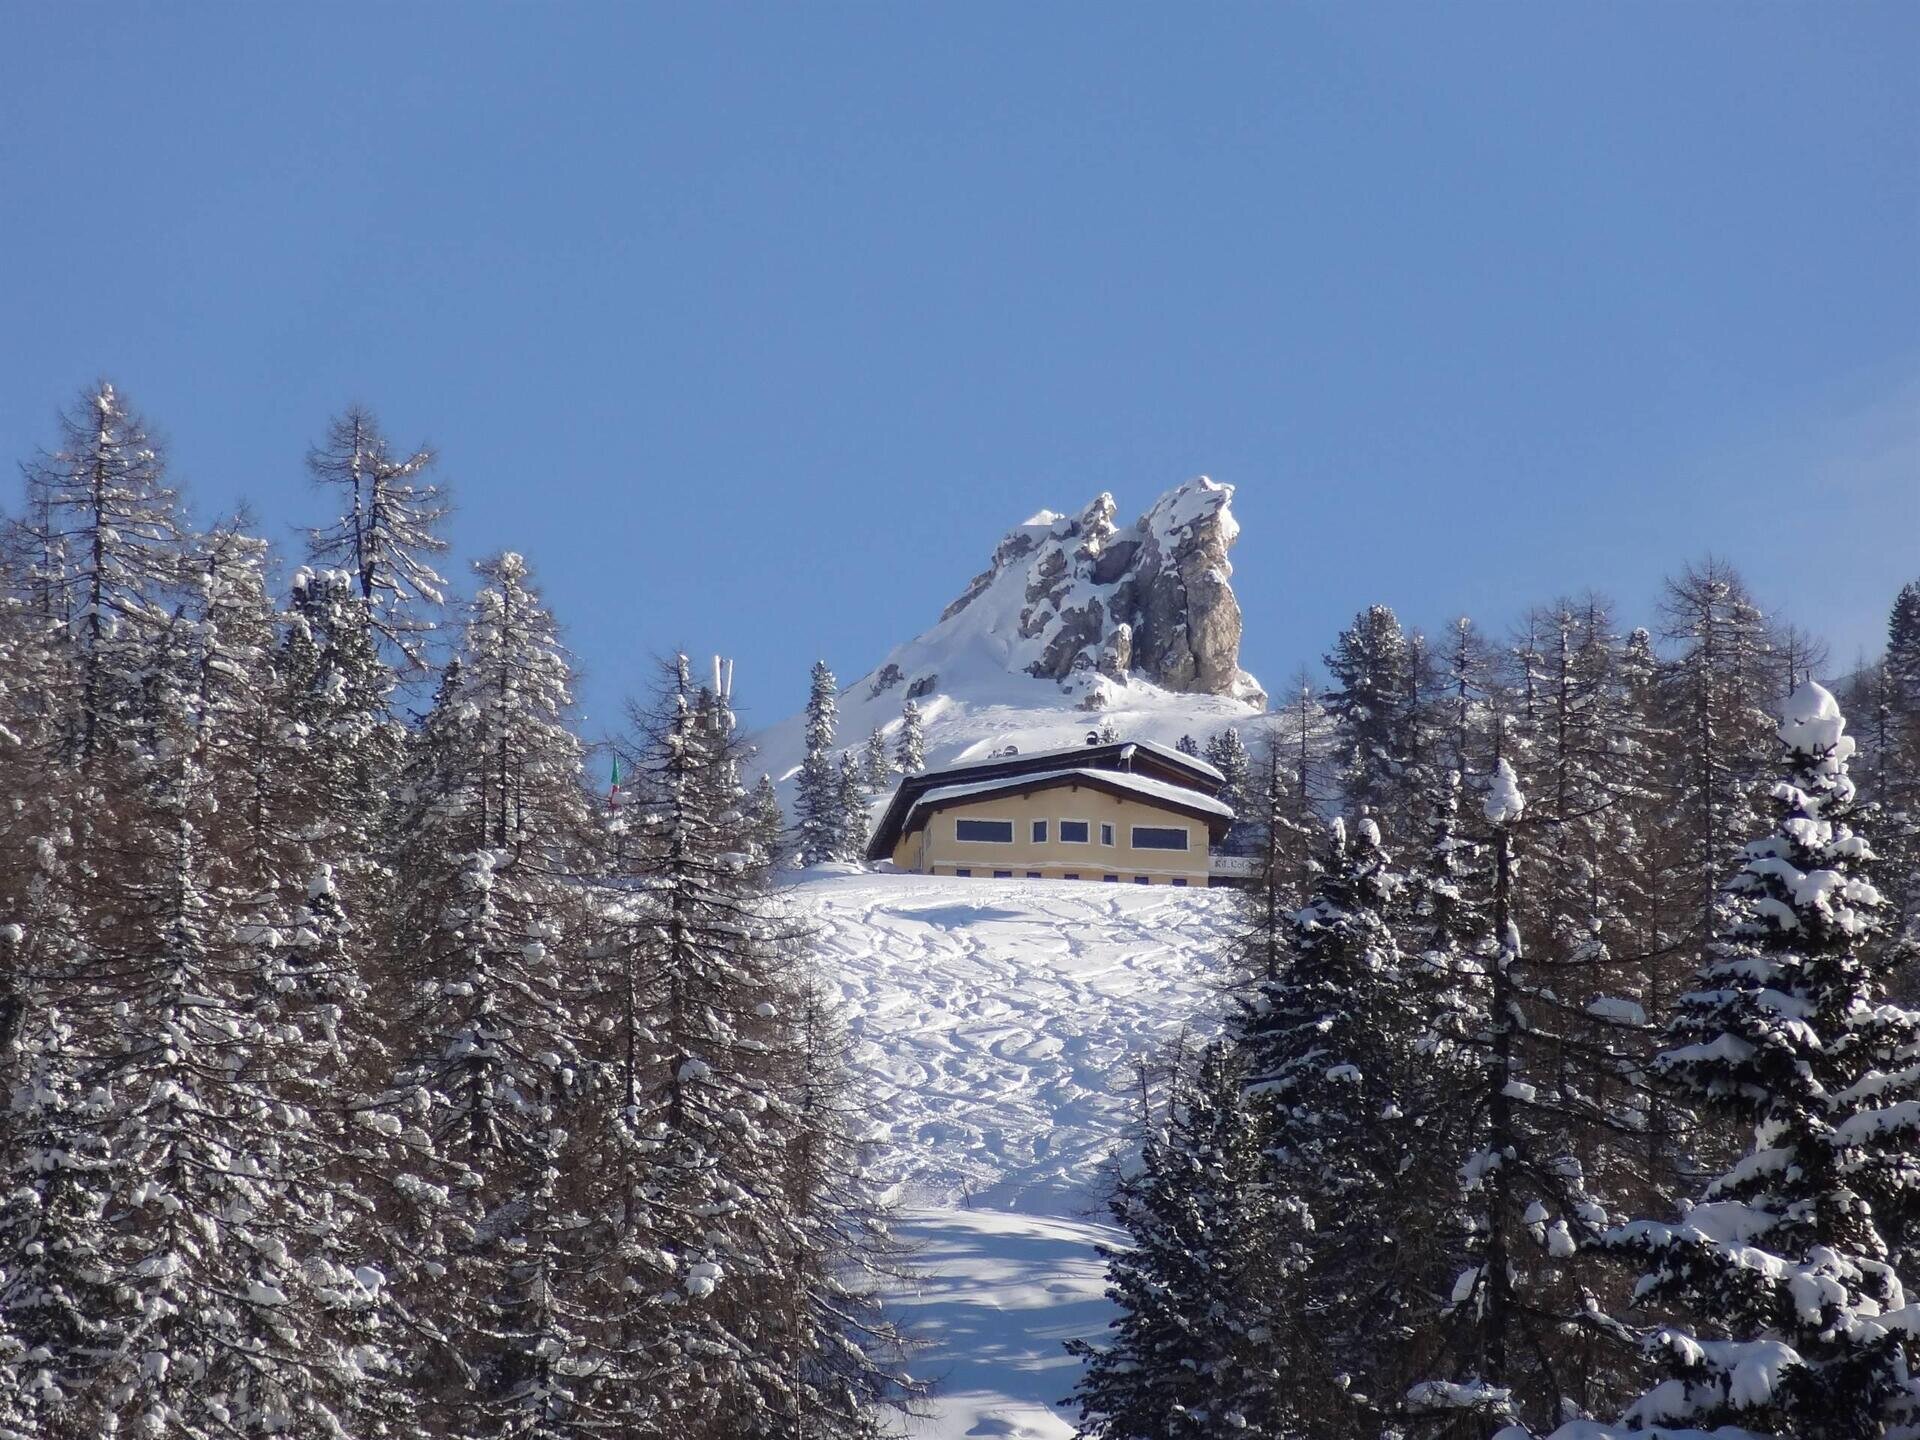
[485, 1034]
[1716, 688]
[731, 1146]
[112, 537]
[387, 532]
[222, 1231]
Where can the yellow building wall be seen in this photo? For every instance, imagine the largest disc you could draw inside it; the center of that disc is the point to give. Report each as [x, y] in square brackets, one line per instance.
[936, 850]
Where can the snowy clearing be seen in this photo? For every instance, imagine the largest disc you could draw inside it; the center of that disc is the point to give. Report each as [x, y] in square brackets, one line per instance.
[994, 1024]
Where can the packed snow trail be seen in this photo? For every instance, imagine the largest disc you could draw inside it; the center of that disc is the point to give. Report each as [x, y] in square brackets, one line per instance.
[994, 1028]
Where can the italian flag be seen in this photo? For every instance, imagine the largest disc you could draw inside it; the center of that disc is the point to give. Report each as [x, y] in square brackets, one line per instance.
[613, 789]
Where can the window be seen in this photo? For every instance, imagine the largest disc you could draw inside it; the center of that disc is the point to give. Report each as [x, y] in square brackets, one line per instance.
[962, 872]
[984, 832]
[1039, 832]
[1159, 837]
[1033, 875]
[1141, 880]
[1073, 832]
[1106, 834]
[1070, 876]
[1180, 880]
[1003, 874]
[1111, 879]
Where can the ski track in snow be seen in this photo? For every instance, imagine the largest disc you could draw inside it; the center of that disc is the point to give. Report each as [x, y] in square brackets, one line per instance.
[993, 1028]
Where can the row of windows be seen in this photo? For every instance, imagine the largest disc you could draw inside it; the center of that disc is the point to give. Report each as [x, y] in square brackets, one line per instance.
[1072, 832]
[1178, 880]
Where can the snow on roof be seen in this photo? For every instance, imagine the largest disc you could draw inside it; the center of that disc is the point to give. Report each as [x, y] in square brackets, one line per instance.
[1138, 784]
[1166, 752]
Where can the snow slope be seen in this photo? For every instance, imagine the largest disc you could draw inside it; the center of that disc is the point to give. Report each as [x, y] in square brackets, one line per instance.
[994, 1024]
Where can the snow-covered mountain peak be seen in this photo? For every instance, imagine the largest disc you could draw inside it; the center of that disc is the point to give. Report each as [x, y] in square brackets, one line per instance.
[1091, 605]
[1078, 622]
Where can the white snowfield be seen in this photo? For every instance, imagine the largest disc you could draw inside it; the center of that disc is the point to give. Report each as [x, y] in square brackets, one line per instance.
[994, 1026]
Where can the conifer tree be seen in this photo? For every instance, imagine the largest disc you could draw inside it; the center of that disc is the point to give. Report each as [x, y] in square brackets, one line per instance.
[1506, 1350]
[61, 1318]
[387, 531]
[112, 538]
[1371, 680]
[876, 766]
[339, 689]
[1899, 796]
[910, 751]
[223, 1225]
[729, 1158]
[1187, 745]
[1788, 1255]
[1227, 753]
[1346, 1080]
[1193, 1351]
[489, 1047]
[851, 811]
[767, 825]
[1267, 902]
[1716, 689]
[819, 809]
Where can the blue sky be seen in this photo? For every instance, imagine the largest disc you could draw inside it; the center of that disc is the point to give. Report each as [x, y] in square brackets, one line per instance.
[754, 327]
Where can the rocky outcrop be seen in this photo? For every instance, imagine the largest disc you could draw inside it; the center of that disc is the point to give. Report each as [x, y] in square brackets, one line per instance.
[1094, 600]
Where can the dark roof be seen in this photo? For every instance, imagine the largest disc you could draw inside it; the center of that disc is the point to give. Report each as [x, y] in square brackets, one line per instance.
[1051, 767]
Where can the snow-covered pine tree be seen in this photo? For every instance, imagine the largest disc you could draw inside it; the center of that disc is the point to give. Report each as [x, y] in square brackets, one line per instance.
[486, 955]
[1785, 1269]
[1107, 732]
[1196, 1350]
[910, 749]
[839, 1342]
[1342, 1075]
[1369, 672]
[1646, 900]
[1187, 745]
[767, 825]
[1900, 788]
[387, 532]
[876, 766]
[1227, 753]
[819, 814]
[852, 811]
